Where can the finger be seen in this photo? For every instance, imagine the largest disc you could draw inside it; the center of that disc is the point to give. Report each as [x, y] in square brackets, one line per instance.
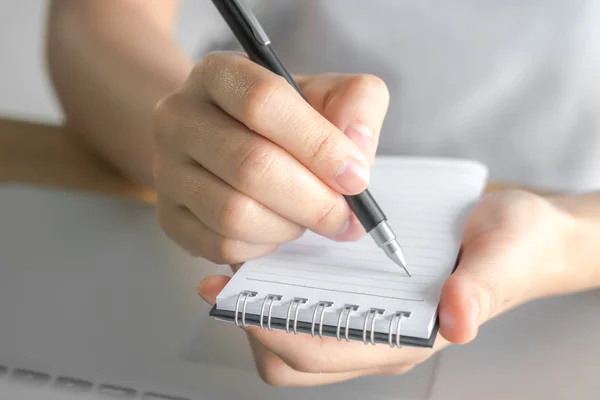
[275, 372]
[266, 173]
[198, 240]
[210, 287]
[223, 209]
[355, 104]
[305, 353]
[267, 104]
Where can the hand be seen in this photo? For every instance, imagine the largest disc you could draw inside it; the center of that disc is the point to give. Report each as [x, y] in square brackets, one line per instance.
[514, 250]
[244, 164]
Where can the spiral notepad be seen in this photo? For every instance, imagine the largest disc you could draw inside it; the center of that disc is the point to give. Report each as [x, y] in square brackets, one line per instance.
[352, 291]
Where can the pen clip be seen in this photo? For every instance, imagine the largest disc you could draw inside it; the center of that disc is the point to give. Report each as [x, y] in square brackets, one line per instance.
[251, 20]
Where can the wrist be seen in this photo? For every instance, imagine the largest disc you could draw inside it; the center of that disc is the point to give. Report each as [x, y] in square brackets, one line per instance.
[577, 264]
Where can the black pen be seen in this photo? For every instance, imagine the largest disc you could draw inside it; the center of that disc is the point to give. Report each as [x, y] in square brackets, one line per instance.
[256, 43]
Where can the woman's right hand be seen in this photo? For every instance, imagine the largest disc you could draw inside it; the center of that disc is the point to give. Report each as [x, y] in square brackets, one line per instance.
[244, 164]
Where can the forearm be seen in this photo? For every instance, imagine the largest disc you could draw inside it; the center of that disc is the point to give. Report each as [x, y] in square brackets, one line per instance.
[110, 61]
[577, 268]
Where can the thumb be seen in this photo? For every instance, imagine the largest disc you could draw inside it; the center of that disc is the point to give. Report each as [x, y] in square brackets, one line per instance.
[210, 288]
[475, 292]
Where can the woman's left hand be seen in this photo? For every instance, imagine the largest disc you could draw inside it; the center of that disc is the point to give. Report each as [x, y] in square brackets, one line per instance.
[514, 250]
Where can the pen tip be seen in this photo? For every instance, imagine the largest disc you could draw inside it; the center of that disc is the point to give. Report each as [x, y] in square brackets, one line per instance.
[398, 258]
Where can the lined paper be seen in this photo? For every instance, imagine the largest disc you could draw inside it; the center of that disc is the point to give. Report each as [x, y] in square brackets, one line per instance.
[427, 202]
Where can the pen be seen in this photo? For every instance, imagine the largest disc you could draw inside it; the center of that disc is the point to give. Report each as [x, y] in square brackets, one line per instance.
[257, 45]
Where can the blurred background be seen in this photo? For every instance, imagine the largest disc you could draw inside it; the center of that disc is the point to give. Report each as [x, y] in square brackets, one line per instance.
[25, 92]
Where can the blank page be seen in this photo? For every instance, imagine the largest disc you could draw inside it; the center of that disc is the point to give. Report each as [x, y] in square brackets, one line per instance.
[426, 201]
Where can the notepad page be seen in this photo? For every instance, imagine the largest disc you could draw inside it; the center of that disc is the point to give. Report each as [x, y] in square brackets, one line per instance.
[427, 202]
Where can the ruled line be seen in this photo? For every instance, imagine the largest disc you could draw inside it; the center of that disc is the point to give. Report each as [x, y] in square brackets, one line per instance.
[408, 281]
[381, 259]
[362, 249]
[334, 290]
[341, 283]
[337, 265]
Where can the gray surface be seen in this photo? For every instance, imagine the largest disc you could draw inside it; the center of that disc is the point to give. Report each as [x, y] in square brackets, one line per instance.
[547, 349]
[91, 288]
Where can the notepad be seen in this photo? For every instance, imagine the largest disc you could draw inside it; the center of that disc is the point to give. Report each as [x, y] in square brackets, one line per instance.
[351, 290]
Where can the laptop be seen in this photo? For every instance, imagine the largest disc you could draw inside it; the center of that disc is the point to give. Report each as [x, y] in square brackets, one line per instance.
[97, 303]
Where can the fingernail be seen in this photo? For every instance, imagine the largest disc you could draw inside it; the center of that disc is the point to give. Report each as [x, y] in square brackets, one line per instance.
[361, 136]
[352, 231]
[345, 227]
[359, 130]
[352, 176]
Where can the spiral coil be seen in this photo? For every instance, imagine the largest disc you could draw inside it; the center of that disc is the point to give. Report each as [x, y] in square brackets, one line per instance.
[400, 315]
[272, 298]
[296, 301]
[322, 305]
[349, 308]
[372, 312]
[344, 316]
[245, 294]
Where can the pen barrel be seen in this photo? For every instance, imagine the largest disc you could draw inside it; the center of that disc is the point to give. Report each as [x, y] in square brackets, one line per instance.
[270, 61]
[261, 54]
[366, 209]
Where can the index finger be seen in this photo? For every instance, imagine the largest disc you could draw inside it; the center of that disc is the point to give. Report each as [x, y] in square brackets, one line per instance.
[267, 104]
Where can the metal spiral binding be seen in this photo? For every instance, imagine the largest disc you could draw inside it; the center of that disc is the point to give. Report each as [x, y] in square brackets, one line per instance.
[297, 301]
[322, 305]
[273, 298]
[246, 294]
[373, 312]
[319, 312]
[398, 314]
[349, 308]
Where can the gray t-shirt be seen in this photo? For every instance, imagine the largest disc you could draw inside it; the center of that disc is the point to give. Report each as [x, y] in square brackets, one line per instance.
[514, 84]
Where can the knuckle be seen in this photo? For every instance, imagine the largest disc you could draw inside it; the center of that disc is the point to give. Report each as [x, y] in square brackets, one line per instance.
[234, 214]
[370, 83]
[213, 72]
[211, 68]
[166, 117]
[162, 110]
[256, 164]
[259, 101]
[325, 216]
[192, 185]
[208, 65]
[321, 145]
[227, 251]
